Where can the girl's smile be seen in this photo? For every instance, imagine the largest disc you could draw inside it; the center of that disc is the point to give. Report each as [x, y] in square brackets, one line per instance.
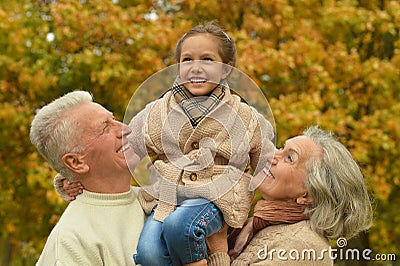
[201, 67]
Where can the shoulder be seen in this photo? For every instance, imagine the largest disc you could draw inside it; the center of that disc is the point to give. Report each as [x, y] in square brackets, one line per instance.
[295, 235]
[280, 243]
[65, 236]
[135, 189]
[67, 247]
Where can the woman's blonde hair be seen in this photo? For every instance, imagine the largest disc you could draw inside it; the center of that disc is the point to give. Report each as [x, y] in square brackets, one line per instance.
[341, 205]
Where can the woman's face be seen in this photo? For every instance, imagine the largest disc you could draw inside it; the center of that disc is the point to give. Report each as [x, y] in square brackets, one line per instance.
[286, 178]
[201, 67]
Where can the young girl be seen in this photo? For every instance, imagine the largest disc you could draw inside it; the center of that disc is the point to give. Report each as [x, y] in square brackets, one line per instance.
[205, 144]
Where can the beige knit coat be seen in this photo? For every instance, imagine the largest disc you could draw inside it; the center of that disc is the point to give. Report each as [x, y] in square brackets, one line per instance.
[210, 161]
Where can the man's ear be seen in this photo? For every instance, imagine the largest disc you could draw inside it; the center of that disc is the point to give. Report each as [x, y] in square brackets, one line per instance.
[75, 163]
[305, 199]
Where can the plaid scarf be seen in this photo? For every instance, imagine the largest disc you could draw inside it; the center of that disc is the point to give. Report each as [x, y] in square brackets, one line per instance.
[196, 108]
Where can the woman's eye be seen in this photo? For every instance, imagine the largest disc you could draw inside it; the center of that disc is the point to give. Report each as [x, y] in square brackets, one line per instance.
[290, 158]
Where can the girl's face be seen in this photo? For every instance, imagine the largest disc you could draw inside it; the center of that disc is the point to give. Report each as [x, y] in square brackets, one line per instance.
[201, 67]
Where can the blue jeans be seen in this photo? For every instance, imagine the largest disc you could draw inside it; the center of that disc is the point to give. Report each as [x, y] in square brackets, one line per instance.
[180, 239]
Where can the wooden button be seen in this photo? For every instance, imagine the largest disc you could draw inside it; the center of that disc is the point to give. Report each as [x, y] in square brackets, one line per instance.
[193, 176]
[195, 145]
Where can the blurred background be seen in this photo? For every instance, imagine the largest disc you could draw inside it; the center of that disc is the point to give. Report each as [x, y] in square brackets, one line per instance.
[326, 62]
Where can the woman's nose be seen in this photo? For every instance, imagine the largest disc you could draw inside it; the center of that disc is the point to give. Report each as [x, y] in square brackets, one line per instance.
[271, 157]
[276, 157]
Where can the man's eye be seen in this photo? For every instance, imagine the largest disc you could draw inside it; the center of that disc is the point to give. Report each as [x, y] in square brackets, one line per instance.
[290, 158]
[103, 130]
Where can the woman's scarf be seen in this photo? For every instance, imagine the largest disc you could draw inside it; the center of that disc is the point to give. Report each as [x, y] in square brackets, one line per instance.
[269, 212]
[197, 107]
[266, 212]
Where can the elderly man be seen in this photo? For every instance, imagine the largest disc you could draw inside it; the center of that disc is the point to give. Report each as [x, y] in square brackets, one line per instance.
[83, 142]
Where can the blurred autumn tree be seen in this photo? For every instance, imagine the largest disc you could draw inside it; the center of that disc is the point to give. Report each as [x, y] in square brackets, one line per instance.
[333, 63]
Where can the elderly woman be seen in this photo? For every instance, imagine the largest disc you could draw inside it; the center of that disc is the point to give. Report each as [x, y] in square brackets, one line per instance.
[313, 192]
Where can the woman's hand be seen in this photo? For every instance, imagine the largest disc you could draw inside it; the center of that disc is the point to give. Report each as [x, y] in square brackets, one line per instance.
[72, 189]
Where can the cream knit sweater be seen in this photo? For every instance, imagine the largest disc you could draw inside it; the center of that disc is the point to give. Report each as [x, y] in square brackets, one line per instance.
[96, 229]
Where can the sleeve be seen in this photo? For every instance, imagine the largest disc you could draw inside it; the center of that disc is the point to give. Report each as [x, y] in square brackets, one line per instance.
[262, 142]
[138, 126]
[59, 186]
[218, 259]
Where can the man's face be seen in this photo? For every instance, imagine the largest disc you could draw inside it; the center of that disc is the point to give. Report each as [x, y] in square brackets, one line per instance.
[102, 136]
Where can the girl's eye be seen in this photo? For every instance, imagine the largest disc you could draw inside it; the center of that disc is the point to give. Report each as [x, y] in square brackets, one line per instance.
[208, 59]
[186, 59]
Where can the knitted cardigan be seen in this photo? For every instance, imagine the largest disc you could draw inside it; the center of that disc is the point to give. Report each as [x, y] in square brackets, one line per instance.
[284, 244]
[215, 169]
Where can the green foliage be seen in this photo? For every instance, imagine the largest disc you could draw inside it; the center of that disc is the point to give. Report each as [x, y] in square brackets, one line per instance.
[332, 63]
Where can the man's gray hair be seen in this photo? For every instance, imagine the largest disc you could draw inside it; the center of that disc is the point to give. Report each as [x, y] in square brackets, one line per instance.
[52, 131]
[341, 205]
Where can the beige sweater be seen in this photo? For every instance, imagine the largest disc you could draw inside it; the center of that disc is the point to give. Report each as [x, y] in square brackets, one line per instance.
[285, 244]
[96, 229]
[208, 161]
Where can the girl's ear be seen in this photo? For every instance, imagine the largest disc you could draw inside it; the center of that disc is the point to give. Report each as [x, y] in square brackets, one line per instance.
[305, 199]
[75, 162]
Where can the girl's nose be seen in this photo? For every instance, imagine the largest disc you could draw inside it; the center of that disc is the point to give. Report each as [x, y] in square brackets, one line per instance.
[196, 66]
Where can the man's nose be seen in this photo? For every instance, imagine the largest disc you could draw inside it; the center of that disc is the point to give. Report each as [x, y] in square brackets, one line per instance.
[122, 129]
[125, 130]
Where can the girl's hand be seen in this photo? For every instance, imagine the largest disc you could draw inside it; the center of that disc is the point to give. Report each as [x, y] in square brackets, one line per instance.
[73, 189]
[218, 242]
[243, 238]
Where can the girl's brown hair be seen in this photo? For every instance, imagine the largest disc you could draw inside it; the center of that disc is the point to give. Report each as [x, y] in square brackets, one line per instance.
[227, 48]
